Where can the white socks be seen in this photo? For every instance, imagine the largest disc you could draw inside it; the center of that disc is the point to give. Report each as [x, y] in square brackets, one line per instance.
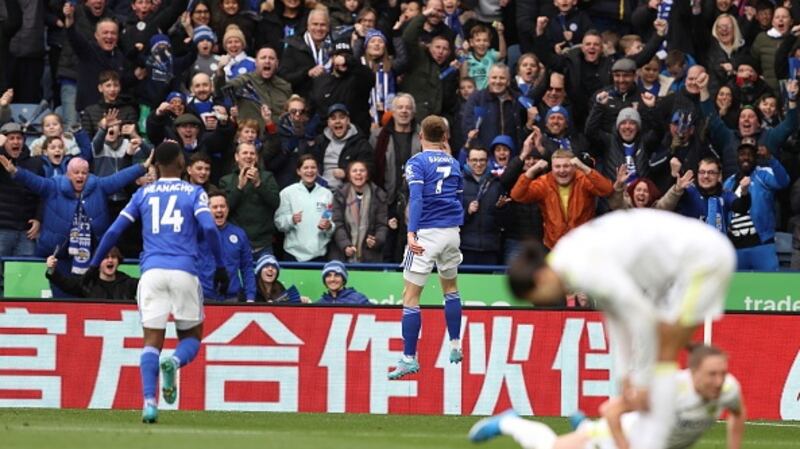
[528, 434]
[655, 425]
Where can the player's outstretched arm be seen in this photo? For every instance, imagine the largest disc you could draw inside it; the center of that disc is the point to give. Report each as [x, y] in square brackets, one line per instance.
[736, 419]
[106, 243]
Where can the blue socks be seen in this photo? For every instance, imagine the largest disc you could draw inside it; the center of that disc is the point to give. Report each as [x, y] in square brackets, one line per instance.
[187, 350]
[411, 324]
[452, 314]
[148, 367]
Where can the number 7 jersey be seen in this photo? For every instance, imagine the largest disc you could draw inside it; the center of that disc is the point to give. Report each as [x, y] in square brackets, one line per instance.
[442, 187]
[168, 209]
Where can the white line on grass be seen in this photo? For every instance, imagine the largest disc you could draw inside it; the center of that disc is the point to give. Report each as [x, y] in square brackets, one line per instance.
[166, 429]
[772, 424]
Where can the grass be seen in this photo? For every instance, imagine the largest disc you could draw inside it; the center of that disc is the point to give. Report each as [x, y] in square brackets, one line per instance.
[105, 429]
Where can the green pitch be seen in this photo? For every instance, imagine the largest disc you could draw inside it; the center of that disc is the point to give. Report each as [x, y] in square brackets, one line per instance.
[102, 429]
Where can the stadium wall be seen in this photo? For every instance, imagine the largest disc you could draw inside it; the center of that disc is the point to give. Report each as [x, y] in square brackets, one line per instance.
[330, 359]
[753, 292]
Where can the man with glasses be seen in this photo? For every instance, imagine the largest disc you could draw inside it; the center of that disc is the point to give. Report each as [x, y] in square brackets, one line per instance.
[706, 201]
[480, 234]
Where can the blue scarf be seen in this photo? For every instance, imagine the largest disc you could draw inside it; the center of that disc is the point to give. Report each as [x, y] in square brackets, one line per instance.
[80, 240]
[714, 214]
[630, 162]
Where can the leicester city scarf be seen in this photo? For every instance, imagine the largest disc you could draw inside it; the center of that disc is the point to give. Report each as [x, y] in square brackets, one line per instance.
[80, 240]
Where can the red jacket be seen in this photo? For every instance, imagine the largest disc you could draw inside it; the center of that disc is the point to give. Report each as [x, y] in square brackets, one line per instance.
[581, 206]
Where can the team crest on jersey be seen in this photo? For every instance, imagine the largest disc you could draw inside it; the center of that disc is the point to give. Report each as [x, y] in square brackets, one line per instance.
[203, 198]
[233, 239]
[409, 173]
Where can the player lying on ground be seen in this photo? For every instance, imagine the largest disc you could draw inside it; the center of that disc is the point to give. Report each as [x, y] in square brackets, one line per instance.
[705, 390]
[656, 276]
[174, 214]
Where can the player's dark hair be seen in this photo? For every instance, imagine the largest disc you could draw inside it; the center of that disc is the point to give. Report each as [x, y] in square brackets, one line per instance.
[523, 268]
[166, 153]
[434, 129]
[699, 352]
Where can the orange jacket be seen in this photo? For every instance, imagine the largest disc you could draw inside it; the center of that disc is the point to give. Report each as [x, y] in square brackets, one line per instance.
[544, 190]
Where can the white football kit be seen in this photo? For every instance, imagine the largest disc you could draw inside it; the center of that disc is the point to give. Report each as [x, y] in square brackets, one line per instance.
[694, 415]
[642, 267]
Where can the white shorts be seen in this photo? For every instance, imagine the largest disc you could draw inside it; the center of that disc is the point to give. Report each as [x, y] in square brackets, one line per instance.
[699, 293]
[441, 248]
[162, 292]
[600, 434]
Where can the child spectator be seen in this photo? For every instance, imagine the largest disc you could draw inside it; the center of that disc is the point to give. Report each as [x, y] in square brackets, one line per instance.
[630, 45]
[108, 84]
[206, 62]
[334, 276]
[235, 61]
[568, 25]
[768, 111]
[77, 144]
[529, 72]
[231, 13]
[481, 57]
[343, 15]
[54, 159]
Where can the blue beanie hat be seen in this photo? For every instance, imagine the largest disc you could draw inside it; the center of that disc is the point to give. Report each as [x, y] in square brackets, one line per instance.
[374, 32]
[557, 110]
[502, 139]
[265, 261]
[334, 266]
[203, 33]
[157, 40]
[176, 94]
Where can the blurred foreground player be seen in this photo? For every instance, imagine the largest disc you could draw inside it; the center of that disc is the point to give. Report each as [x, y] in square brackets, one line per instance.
[704, 391]
[656, 276]
[435, 213]
[172, 212]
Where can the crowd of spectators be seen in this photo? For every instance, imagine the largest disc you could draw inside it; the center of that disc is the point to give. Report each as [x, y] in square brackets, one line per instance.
[297, 117]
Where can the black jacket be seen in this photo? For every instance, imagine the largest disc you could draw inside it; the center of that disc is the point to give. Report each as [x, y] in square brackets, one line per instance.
[296, 62]
[352, 89]
[122, 288]
[20, 204]
[481, 231]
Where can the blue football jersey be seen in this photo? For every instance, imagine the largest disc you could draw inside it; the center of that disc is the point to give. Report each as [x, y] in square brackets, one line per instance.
[442, 187]
[168, 210]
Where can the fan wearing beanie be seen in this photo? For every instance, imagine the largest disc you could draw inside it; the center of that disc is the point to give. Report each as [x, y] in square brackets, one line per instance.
[269, 288]
[334, 276]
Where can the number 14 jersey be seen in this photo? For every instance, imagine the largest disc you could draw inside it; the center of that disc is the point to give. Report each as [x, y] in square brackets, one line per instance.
[168, 209]
[442, 187]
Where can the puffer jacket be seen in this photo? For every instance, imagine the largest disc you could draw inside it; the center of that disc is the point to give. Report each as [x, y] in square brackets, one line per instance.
[60, 203]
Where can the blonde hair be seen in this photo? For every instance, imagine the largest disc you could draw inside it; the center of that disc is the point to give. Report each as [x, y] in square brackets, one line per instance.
[738, 40]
